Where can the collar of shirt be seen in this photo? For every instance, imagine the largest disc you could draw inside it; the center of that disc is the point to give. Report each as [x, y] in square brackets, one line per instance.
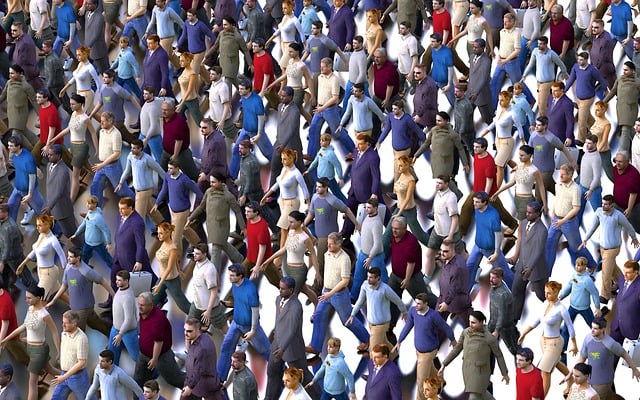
[398, 118]
[177, 176]
[422, 313]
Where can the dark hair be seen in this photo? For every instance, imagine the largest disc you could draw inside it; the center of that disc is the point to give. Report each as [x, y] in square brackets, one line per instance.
[479, 315]
[202, 248]
[76, 251]
[324, 181]
[381, 348]
[631, 264]
[600, 321]
[56, 148]
[608, 198]
[288, 281]
[297, 215]
[254, 205]
[444, 115]
[296, 46]
[482, 142]
[630, 65]
[437, 37]
[375, 271]
[17, 68]
[152, 384]
[127, 201]
[525, 352]
[481, 42]
[482, 196]
[359, 86]
[229, 20]
[77, 98]
[245, 83]
[497, 271]
[124, 274]
[536, 205]
[44, 92]
[237, 269]
[373, 201]
[35, 290]
[543, 120]
[259, 41]
[110, 73]
[543, 39]
[584, 368]
[138, 143]
[423, 297]
[288, 90]
[317, 24]
[16, 140]
[407, 24]
[218, 176]
[527, 149]
[7, 369]
[108, 354]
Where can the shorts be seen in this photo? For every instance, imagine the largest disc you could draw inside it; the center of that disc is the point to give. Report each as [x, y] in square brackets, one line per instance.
[436, 240]
[80, 152]
[551, 351]
[111, 11]
[38, 357]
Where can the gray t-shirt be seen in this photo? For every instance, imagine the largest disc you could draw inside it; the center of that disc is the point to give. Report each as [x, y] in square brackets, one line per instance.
[79, 283]
[325, 210]
[543, 152]
[600, 355]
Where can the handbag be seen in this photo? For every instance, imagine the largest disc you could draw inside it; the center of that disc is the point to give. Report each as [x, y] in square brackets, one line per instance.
[338, 64]
[140, 282]
[633, 348]
[560, 158]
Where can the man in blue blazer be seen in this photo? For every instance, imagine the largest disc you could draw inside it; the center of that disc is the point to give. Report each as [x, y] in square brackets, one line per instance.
[156, 68]
[628, 303]
[385, 378]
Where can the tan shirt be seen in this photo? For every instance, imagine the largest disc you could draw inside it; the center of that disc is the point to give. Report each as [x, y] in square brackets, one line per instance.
[73, 347]
[567, 197]
[110, 142]
[328, 86]
[135, 5]
[509, 41]
[336, 266]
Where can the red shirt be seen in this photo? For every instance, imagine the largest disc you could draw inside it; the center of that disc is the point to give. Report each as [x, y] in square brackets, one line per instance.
[175, 129]
[441, 23]
[529, 385]
[8, 312]
[262, 65]
[560, 32]
[484, 168]
[387, 75]
[257, 234]
[407, 250]
[624, 184]
[49, 117]
[155, 328]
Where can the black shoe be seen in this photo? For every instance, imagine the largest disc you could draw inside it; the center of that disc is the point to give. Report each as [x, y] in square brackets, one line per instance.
[365, 377]
[605, 310]
[392, 195]
[430, 216]
[107, 303]
[391, 337]
[603, 301]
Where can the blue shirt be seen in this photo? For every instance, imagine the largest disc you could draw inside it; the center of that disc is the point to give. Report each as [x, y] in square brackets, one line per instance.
[142, 169]
[327, 163]
[587, 79]
[582, 290]
[612, 225]
[545, 65]
[126, 64]
[79, 281]
[24, 165]
[307, 17]
[378, 300]
[620, 14]
[427, 326]
[179, 189]
[193, 37]
[402, 128]
[246, 297]
[362, 113]
[66, 16]
[252, 107]
[487, 224]
[113, 384]
[442, 60]
[96, 229]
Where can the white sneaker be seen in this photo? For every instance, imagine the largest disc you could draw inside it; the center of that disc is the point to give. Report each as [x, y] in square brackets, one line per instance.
[67, 64]
[28, 216]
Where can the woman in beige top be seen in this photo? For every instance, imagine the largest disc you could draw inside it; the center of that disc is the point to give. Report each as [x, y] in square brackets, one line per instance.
[189, 82]
[374, 36]
[601, 128]
[404, 187]
[170, 273]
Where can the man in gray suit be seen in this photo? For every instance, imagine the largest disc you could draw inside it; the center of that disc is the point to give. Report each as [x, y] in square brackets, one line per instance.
[8, 389]
[58, 202]
[288, 343]
[479, 91]
[529, 258]
[94, 36]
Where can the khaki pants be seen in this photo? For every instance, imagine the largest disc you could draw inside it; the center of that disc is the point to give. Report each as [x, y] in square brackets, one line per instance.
[424, 370]
[144, 202]
[544, 89]
[49, 280]
[179, 220]
[378, 335]
[585, 120]
[167, 44]
[610, 270]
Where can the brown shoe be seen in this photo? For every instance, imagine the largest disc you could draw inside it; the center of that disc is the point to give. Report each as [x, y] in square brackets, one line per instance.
[311, 350]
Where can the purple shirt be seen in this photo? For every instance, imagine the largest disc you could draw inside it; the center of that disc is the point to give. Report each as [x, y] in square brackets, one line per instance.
[405, 251]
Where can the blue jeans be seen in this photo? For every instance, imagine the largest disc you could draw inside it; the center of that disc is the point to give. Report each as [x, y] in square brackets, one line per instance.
[260, 343]
[139, 25]
[328, 396]
[587, 315]
[154, 146]
[512, 71]
[595, 200]
[450, 96]
[129, 340]
[131, 85]
[36, 202]
[570, 230]
[101, 249]
[265, 146]
[360, 273]
[628, 49]
[347, 95]
[112, 173]
[78, 384]
[341, 303]
[332, 116]
[525, 52]
[59, 43]
[473, 262]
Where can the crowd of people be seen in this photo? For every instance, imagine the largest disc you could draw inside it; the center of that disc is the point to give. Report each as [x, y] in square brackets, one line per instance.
[233, 134]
